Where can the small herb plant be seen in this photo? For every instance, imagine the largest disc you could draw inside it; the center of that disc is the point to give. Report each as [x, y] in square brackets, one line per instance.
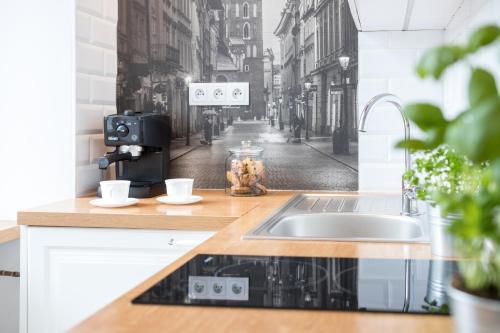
[438, 171]
[474, 134]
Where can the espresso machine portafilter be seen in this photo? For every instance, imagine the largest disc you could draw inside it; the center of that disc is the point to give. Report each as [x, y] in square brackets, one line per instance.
[142, 151]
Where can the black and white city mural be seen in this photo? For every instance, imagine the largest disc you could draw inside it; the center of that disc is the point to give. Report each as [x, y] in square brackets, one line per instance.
[300, 58]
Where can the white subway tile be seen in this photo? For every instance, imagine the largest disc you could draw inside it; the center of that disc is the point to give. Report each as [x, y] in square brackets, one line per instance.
[82, 88]
[87, 179]
[89, 59]
[369, 88]
[386, 63]
[395, 155]
[89, 119]
[97, 147]
[373, 40]
[372, 148]
[104, 34]
[82, 150]
[380, 176]
[109, 110]
[110, 64]
[91, 6]
[111, 10]
[412, 89]
[422, 39]
[103, 90]
[82, 26]
[384, 119]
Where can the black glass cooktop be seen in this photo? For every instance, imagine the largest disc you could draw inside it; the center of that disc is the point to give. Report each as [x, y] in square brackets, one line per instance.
[342, 284]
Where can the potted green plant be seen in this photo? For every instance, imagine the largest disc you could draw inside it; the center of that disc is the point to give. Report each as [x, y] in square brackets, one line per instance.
[475, 134]
[437, 172]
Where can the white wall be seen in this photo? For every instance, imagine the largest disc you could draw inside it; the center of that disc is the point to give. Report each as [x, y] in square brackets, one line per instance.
[96, 68]
[473, 14]
[386, 63]
[37, 100]
[387, 60]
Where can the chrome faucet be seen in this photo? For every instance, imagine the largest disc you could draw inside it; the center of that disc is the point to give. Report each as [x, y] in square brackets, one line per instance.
[408, 200]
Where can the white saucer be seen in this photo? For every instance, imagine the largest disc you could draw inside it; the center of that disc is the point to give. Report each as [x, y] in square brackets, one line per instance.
[173, 201]
[113, 204]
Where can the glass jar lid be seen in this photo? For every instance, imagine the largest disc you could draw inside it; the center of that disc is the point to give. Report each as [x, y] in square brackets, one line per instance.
[246, 148]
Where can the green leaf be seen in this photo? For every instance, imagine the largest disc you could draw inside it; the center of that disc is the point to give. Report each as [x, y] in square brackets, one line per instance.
[437, 60]
[481, 86]
[412, 144]
[435, 137]
[482, 37]
[425, 116]
[476, 133]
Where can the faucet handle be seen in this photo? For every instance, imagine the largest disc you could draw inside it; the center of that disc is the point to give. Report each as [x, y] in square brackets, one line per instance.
[409, 201]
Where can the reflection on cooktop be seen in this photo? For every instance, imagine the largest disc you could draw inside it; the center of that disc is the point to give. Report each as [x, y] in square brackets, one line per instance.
[344, 284]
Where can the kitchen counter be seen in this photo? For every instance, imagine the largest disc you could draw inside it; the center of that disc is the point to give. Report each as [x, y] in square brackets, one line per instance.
[240, 215]
[9, 231]
[122, 316]
[215, 212]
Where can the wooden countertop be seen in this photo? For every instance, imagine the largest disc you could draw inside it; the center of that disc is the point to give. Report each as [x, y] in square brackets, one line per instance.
[9, 231]
[216, 211]
[122, 316]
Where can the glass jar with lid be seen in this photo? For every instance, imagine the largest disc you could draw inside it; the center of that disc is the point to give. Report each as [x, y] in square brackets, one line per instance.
[246, 171]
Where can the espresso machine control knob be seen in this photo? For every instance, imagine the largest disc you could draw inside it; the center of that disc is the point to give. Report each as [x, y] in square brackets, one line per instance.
[122, 130]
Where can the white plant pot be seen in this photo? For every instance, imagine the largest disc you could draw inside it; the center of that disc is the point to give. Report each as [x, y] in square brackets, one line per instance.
[473, 314]
[442, 242]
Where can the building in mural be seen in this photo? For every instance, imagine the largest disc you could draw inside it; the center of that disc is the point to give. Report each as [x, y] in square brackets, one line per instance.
[243, 44]
[160, 44]
[287, 31]
[317, 37]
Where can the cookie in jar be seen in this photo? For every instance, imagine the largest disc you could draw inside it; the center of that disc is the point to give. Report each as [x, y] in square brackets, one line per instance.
[246, 171]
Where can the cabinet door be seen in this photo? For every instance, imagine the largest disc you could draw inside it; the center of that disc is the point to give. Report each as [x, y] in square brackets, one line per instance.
[73, 272]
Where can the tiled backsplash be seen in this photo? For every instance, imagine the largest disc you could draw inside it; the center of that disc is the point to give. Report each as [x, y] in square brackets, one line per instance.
[96, 68]
[386, 64]
[387, 61]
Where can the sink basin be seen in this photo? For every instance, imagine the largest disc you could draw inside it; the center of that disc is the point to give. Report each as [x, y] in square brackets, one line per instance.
[348, 226]
[352, 218]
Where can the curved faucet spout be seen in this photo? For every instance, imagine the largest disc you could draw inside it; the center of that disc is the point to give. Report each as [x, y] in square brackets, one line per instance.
[396, 102]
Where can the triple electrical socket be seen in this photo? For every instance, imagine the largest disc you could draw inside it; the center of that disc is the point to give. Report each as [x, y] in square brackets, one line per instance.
[219, 94]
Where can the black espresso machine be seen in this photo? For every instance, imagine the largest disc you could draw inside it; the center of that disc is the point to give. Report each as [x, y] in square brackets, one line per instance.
[142, 151]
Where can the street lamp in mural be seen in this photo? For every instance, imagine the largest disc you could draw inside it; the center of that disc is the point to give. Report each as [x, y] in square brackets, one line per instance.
[340, 135]
[280, 118]
[188, 112]
[307, 88]
[290, 107]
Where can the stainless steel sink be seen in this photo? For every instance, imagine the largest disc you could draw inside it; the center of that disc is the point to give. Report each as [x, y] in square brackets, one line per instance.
[342, 218]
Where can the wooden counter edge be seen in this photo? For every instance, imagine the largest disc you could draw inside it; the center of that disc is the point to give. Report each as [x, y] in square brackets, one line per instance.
[86, 220]
[9, 231]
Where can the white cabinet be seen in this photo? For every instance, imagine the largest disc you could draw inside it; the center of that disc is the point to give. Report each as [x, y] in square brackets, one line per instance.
[67, 274]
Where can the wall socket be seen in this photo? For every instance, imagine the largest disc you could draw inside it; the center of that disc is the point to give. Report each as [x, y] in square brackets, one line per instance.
[219, 94]
[218, 288]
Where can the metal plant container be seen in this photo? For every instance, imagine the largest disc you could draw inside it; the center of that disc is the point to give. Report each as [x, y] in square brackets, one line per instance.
[442, 242]
[473, 314]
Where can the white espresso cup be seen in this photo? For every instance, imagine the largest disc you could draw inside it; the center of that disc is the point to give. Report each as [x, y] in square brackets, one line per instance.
[115, 190]
[179, 188]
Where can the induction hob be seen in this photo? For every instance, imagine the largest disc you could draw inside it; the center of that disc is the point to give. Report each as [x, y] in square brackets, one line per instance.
[342, 284]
